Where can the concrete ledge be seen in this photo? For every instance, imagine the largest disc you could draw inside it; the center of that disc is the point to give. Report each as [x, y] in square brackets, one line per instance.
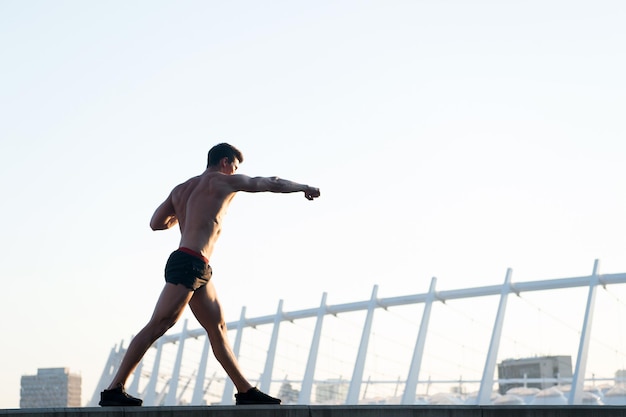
[325, 411]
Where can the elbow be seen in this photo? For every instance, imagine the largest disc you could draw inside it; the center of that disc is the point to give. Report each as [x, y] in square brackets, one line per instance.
[163, 224]
[156, 225]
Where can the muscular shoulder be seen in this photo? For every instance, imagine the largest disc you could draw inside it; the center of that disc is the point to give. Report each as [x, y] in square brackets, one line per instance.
[189, 184]
[209, 183]
[216, 184]
[230, 183]
[183, 190]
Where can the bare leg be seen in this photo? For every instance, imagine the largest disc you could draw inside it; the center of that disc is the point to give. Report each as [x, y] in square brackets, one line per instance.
[207, 309]
[168, 309]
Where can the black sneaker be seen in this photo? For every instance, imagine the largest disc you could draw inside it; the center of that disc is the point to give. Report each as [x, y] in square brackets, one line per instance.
[117, 397]
[254, 396]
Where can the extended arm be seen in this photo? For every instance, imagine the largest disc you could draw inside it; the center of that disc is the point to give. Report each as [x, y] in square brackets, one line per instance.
[164, 217]
[271, 184]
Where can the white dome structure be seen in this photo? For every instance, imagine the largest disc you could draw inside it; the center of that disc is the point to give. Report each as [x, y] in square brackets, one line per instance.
[549, 396]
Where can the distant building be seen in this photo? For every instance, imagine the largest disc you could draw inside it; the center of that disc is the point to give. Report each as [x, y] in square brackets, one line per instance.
[542, 370]
[331, 392]
[51, 387]
[287, 394]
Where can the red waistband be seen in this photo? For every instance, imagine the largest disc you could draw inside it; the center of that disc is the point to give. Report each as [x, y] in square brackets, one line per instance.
[194, 253]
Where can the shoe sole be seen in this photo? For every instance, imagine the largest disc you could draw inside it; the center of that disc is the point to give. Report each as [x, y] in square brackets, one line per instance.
[256, 403]
[116, 404]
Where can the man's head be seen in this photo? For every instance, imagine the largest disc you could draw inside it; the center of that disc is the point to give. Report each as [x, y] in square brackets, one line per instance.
[221, 151]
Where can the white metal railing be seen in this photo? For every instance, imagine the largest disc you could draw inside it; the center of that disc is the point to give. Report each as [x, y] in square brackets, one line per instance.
[171, 395]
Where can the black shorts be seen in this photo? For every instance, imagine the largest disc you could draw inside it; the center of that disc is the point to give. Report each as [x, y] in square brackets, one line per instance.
[192, 271]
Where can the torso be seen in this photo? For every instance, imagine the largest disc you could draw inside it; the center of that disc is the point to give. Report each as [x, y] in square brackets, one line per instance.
[200, 204]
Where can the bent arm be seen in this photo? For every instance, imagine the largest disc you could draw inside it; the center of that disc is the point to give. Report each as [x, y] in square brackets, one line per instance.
[271, 184]
[164, 217]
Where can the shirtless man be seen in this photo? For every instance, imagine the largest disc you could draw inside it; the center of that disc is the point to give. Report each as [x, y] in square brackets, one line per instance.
[198, 206]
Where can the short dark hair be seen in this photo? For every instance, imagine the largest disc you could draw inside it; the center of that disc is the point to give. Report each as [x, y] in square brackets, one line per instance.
[223, 150]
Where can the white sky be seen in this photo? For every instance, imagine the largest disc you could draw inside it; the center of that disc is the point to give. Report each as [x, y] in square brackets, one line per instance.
[449, 138]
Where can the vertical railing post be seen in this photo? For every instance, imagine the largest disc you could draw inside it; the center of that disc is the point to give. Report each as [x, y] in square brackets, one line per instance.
[359, 365]
[171, 399]
[578, 382]
[486, 383]
[266, 378]
[309, 373]
[133, 389]
[198, 389]
[150, 397]
[227, 395]
[110, 368]
[418, 352]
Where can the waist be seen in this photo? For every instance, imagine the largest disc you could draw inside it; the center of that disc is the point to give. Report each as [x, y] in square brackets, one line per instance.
[193, 253]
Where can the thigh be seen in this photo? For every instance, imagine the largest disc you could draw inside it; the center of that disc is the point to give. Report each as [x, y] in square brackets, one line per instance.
[171, 303]
[206, 307]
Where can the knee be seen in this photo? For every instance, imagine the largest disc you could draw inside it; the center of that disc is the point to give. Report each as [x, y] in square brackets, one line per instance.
[217, 331]
[222, 327]
[158, 327]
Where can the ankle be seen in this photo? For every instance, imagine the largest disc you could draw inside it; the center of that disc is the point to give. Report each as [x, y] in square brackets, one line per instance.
[244, 388]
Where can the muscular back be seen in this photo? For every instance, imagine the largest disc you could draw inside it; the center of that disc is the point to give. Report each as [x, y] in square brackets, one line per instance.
[199, 205]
